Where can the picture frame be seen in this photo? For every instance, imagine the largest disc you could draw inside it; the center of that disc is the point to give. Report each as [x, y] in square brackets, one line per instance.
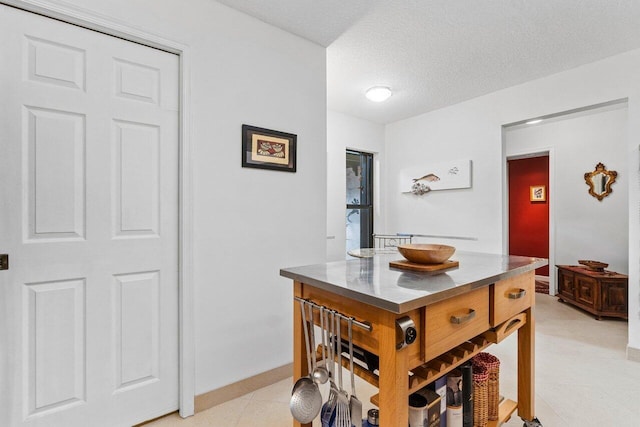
[538, 193]
[268, 149]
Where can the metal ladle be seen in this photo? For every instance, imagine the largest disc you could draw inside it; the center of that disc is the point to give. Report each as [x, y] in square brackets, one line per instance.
[306, 400]
[320, 373]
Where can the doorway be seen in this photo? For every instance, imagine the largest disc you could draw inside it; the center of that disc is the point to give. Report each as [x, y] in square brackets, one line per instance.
[91, 224]
[581, 226]
[528, 184]
[359, 200]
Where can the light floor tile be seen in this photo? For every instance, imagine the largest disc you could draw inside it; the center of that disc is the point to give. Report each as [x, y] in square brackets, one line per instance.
[582, 378]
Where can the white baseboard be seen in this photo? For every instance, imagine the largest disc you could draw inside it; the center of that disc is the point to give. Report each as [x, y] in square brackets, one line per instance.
[633, 354]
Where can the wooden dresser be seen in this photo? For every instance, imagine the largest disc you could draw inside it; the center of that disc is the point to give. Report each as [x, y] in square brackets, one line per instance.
[600, 293]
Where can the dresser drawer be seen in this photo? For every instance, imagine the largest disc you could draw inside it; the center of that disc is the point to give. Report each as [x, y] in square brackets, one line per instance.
[511, 296]
[587, 291]
[453, 321]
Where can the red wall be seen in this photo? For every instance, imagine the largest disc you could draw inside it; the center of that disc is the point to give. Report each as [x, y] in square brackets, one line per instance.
[528, 221]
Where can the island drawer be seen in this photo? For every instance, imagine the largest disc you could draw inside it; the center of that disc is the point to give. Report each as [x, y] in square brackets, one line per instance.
[451, 322]
[511, 296]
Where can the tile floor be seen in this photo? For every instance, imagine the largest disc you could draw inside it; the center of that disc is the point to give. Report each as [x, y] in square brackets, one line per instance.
[582, 378]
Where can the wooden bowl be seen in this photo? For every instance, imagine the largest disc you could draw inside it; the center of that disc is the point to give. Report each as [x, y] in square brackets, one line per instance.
[593, 265]
[424, 253]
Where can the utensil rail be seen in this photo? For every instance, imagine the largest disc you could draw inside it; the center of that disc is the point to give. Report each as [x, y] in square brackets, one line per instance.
[364, 325]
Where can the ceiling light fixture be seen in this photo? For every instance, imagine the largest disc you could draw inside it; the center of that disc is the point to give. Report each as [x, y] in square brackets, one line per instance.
[533, 122]
[378, 93]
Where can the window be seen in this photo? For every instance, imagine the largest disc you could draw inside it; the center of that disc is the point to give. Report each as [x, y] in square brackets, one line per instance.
[359, 214]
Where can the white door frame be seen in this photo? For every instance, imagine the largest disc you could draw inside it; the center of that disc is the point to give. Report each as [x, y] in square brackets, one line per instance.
[89, 20]
[544, 151]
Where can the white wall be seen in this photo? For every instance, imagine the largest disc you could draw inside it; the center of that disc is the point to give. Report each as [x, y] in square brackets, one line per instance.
[248, 223]
[447, 134]
[343, 132]
[473, 129]
[585, 228]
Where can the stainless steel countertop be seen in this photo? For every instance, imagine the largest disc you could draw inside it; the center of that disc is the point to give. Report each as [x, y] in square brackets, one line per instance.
[372, 281]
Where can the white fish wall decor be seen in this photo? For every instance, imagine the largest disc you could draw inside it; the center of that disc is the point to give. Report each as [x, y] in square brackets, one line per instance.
[449, 175]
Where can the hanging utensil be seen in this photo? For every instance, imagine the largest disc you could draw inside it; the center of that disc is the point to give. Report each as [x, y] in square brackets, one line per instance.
[355, 406]
[329, 409]
[343, 419]
[312, 340]
[320, 373]
[306, 400]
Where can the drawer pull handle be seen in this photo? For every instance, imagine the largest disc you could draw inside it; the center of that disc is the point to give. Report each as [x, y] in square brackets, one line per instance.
[457, 319]
[520, 293]
[511, 325]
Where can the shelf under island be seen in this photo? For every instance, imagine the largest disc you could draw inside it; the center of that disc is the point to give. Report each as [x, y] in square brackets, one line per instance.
[456, 314]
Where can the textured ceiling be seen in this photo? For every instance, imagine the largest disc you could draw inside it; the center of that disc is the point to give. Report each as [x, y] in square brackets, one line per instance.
[435, 53]
[321, 21]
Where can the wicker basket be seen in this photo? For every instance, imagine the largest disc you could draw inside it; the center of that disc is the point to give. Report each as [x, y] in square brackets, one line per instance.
[480, 395]
[492, 364]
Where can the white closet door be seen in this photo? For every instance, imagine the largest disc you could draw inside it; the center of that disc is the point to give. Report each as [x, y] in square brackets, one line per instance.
[89, 218]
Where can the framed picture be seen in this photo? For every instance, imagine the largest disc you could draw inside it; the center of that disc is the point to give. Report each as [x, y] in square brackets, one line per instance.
[268, 149]
[538, 193]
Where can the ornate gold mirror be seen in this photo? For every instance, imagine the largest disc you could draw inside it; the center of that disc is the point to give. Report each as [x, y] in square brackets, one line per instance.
[599, 181]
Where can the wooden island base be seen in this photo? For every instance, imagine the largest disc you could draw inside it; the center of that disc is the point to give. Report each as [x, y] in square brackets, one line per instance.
[405, 371]
[456, 315]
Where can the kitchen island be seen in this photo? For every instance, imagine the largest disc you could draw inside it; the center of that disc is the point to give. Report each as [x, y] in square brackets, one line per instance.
[455, 314]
